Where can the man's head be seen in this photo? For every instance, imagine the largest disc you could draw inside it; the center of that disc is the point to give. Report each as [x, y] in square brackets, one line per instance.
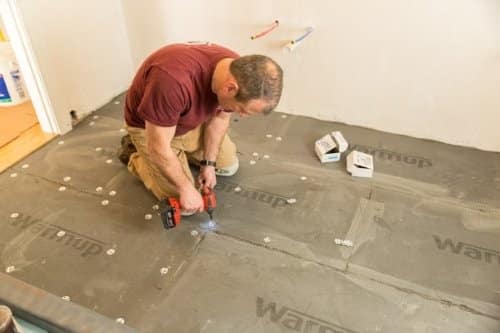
[252, 85]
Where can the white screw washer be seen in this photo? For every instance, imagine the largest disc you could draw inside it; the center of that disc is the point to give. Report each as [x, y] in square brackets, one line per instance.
[348, 243]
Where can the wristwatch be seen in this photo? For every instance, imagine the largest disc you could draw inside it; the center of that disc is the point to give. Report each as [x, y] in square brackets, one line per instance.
[207, 163]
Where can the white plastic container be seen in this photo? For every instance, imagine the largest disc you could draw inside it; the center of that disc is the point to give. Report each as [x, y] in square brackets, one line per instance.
[12, 87]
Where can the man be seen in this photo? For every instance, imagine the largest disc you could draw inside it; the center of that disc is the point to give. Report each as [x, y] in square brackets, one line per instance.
[178, 111]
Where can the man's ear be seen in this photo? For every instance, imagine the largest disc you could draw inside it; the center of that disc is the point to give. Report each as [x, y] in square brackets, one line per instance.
[231, 88]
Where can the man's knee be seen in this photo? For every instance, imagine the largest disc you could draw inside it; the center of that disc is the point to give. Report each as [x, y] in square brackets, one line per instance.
[229, 170]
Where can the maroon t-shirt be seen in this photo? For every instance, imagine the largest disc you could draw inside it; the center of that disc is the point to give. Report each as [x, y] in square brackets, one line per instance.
[173, 87]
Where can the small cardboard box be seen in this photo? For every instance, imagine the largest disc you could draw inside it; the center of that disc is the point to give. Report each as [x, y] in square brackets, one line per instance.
[326, 149]
[341, 142]
[330, 147]
[360, 164]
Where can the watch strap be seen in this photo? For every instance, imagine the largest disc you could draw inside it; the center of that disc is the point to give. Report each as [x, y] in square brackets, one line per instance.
[207, 163]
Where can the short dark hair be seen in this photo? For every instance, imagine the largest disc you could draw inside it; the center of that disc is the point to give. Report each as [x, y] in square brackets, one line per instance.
[258, 77]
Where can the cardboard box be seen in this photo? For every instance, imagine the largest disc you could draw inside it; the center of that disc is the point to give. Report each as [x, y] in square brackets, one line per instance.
[330, 147]
[360, 164]
[327, 149]
[341, 142]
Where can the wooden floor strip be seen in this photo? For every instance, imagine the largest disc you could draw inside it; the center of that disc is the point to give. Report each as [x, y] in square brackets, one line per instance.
[25, 144]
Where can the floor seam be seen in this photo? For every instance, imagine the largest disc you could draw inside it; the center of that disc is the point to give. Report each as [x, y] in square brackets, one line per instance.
[63, 184]
[442, 301]
[264, 246]
[462, 307]
[76, 189]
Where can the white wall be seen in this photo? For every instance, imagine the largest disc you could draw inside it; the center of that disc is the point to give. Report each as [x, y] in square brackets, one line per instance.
[426, 68]
[146, 25]
[82, 50]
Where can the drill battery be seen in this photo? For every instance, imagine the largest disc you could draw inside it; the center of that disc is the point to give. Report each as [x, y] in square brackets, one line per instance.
[170, 212]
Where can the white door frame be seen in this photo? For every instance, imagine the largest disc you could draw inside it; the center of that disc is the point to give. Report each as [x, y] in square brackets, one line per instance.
[21, 44]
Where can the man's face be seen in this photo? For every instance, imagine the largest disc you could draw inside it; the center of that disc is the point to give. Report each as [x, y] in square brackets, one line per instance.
[253, 107]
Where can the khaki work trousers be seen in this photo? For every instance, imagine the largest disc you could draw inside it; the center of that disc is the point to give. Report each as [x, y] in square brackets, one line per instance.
[188, 148]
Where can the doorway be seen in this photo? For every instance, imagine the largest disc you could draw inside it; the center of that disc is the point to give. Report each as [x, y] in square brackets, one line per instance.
[27, 120]
[20, 133]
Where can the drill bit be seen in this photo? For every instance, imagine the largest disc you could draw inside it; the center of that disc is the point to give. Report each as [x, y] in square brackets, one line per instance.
[211, 222]
[210, 204]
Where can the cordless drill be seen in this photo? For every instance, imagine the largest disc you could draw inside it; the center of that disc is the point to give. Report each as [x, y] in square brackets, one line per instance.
[171, 208]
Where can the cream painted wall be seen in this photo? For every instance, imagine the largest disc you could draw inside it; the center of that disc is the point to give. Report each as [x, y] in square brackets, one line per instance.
[425, 68]
[82, 50]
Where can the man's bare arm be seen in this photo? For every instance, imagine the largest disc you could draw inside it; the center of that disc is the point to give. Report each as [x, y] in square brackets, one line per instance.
[158, 141]
[215, 130]
[214, 133]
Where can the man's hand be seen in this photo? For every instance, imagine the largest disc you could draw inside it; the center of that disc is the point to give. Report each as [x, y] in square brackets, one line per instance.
[207, 177]
[190, 200]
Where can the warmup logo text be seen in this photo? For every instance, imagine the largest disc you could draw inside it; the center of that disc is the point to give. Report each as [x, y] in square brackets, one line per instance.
[488, 256]
[382, 154]
[267, 198]
[85, 245]
[295, 320]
